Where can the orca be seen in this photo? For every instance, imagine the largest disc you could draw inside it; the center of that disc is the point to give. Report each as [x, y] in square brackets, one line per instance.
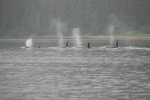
[67, 43]
[116, 44]
[39, 46]
[88, 46]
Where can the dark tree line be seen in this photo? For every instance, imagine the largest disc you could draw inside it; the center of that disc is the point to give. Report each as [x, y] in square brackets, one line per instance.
[26, 17]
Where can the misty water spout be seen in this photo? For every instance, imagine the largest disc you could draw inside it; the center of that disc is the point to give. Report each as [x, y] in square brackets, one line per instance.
[61, 39]
[77, 37]
[111, 32]
[29, 43]
[59, 34]
[113, 22]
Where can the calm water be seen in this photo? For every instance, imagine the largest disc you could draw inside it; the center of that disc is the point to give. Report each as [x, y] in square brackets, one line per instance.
[54, 73]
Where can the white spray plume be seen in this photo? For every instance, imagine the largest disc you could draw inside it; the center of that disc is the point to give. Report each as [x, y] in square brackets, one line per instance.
[29, 43]
[77, 36]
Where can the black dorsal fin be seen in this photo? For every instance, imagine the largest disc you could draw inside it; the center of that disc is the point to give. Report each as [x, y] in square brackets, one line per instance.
[67, 43]
[88, 46]
[117, 44]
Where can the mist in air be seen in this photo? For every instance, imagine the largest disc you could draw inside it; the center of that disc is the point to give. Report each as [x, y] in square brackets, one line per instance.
[36, 17]
[74, 49]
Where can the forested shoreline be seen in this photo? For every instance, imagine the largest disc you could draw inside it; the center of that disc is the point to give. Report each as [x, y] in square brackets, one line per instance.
[93, 17]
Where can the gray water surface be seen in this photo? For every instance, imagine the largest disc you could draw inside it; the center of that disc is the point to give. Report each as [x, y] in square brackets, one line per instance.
[54, 73]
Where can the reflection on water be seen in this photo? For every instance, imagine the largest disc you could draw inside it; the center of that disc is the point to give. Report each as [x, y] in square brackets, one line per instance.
[75, 74]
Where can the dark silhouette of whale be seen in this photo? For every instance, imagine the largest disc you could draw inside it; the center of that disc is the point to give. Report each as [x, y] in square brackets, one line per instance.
[67, 44]
[117, 44]
[39, 46]
[88, 46]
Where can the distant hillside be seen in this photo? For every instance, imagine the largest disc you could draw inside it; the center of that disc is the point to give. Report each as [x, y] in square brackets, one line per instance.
[93, 17]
